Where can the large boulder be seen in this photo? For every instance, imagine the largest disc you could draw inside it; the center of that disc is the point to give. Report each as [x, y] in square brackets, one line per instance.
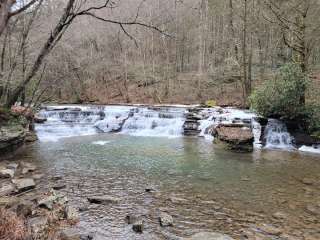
[237, 137]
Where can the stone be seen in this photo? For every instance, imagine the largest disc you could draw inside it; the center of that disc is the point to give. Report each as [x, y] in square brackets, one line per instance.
[165, 220]
[103, 200]
[70, 234]
[28, 167]
[7, 173]
[59, 187]
[237, 137]
[37, 176]
[39, 119]
[37, 225]
[149, 189]
[24, 184]
[209, 236]
[269, 229]
[47, 201]
[279, 215]
[11, 137]
[31, 136]
[138, 226]
[71, 213]
[13, 166]
[130, 219]
[6, 189]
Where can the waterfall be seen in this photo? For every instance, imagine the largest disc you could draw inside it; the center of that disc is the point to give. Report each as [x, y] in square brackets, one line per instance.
[166, 122]
[214, 116]
[276, 135]
[70, 121]
[158, 121]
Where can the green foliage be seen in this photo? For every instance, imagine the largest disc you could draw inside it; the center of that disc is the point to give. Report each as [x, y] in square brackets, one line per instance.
[211, 103]
[281, 97]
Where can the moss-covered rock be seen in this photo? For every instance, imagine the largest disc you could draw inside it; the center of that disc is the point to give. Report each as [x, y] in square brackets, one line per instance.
[12, 131]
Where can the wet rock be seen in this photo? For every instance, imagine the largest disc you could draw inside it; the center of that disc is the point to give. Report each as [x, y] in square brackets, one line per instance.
[130, 219]
[7, 173]
[70, 234]
[6, 189]
[165, 220]
[234, 137]
[59, 186]
[24, 184]
[37, 225]
[269, 229]
[28, 167]
[103, 200]
[149, 189]
[84, 207]
[71, 213]
[47, 201]
[209, 236]
[37, 176]
[39, 119]
[11, 137]
[279, 215]
[31, 136]
[13, 166]
[138, 226]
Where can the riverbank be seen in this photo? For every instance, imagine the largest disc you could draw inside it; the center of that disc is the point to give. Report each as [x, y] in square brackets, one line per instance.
[30, 209]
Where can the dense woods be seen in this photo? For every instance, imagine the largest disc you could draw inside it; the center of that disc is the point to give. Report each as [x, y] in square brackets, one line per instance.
[152, 51]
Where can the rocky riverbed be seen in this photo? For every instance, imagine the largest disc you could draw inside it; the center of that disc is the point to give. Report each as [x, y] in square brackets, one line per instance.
[30, 211]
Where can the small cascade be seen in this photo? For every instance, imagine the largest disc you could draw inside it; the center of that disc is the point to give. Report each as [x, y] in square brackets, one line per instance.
[155, 122]
[211, 117]
[276, 135]
[70, 121]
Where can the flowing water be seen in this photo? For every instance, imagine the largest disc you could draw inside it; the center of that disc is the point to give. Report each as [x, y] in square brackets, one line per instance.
[202, 187]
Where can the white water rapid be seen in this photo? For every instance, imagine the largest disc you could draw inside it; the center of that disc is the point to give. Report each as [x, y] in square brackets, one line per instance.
[157, 121]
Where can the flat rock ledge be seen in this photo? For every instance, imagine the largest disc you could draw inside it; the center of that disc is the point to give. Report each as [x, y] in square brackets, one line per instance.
[237, 137]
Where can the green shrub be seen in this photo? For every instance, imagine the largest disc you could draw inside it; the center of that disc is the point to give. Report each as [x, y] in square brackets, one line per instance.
[280, 97]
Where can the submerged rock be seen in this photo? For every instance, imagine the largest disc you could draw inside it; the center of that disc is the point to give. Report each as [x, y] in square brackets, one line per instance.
[71, 213]
[138, 226]
[130, 219]
[70, 234]
[165, 220]
[209, 236]
[237, 137]
[103, 200]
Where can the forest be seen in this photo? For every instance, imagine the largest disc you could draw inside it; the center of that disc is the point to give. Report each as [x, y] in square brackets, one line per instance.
[159, 119]
[153, 51]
